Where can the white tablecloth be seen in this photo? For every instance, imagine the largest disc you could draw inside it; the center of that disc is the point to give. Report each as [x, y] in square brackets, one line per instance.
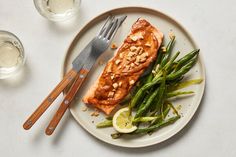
[210, 133]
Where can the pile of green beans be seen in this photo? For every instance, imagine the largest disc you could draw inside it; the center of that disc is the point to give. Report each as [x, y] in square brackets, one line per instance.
[151, 99]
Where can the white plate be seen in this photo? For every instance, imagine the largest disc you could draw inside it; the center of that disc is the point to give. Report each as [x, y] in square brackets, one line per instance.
[184, 43]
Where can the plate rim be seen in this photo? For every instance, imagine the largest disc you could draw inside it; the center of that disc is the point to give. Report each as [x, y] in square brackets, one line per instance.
[84, 28]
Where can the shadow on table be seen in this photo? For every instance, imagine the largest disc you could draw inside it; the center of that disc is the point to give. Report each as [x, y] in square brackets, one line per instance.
[67, 26]
[18, 79]
[60, 130]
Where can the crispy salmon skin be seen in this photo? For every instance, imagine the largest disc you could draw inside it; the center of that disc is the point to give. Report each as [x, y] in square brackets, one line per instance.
[122, 71]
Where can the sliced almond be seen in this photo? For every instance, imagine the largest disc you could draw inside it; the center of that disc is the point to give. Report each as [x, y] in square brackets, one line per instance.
[137, 36]
[112, 76]
[140, 50]
[95, 113]
[133, 37]
[84, 109]
[111, 94]
[115, 85]
[109, 69]
[136, 63]
[163, 48]
[132, 64]
[128, 58]
[127, 66]
[121, 55]
[133, 48]
[148, 44]
[117, 61]
[157, 67]
[130, 54]
[145, 54]
[142, 60]
[131, 82]
[120, 83]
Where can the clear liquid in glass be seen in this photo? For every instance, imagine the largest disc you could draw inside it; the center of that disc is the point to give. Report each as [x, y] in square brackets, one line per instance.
[11, 55]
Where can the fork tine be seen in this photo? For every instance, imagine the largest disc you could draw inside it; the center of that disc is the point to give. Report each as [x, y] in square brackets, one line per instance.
[119, 21]
[107, 27]
[111, 31]
[109, 18]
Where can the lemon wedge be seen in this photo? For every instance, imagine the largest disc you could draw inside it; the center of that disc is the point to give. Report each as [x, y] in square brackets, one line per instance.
[122, 121]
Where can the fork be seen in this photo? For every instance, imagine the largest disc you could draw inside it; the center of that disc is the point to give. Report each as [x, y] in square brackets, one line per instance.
[76, 76]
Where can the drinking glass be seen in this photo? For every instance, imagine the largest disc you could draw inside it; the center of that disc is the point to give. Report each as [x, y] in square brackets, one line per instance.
[57, 10]
[12, 56]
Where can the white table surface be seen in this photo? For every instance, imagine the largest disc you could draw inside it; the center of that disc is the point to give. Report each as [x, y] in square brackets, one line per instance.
[210, 133]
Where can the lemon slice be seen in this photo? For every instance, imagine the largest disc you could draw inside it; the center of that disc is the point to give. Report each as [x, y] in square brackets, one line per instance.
[122, 121]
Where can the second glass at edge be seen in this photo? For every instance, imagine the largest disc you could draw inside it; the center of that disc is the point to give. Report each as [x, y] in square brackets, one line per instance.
[57, 10]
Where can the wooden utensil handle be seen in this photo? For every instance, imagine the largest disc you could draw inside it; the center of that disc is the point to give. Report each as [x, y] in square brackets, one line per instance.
[69, 77]
[67, 101]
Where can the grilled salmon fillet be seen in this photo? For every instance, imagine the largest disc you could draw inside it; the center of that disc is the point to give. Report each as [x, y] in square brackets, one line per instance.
[121, 72]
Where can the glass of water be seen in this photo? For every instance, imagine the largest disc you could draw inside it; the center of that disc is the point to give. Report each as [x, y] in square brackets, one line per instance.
[57, 10]
[12, 56]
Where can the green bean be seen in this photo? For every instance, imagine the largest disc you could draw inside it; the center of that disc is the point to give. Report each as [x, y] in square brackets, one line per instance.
[159, 57]
[161, 110]
[147, 96]
[140, 92]
[182, 71]
[164, 114]
[145, 119]
[149, 78]
[174, 82]
[160, 92]
[157, 126]
[173, 108]
[156, 107]
[159, 100]
[157, 79]
[104, 124]
[182, 61]
[179, 93]
[109, 118]
[166, 111]
[146, 106]
[169, 77]
[184, 84]
[158, 75]
[168, 52]
[169, 64]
